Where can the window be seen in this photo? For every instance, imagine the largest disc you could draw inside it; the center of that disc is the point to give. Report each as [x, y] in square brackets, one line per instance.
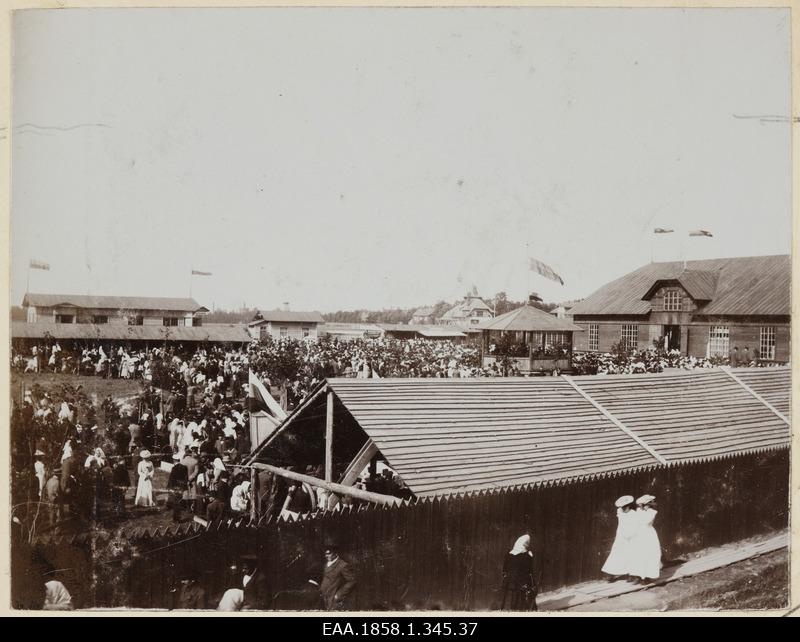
[767, 343]
[552, 339]
[630, 336]
[197, 322]
[306, 332]
[672, 300]
[100, 318]
[594, 337]
[136, 320]
[284, 333]
[718, 341]
[171, 321]
[65, 318]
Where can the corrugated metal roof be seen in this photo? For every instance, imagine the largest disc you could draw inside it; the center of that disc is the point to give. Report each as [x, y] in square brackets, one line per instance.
[289, 316]
[114, 332]
[774, 384]
[443, 435]
[756, 285]
[528, 318]
[113, 302]
[689, 415]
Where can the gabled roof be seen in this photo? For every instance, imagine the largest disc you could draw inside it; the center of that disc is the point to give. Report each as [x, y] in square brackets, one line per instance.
[530, 319]
[463, 308]
[455, 435]
[216, 333]
[699, 284]
[169, 304]
[288, 316]
[756, 285]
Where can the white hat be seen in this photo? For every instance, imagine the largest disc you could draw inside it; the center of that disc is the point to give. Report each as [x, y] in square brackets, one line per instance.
[145, 454]
[38, 453]
[176, 457]
[645, 499]
[624, 501]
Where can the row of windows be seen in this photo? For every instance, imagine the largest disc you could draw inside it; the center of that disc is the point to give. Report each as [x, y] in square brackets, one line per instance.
[718, 339]
[719, 342]
[284, 332]
[102, 319]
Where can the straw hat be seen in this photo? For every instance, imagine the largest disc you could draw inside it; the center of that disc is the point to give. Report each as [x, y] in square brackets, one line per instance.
[624, 501]
[645, 499]
[145, 454]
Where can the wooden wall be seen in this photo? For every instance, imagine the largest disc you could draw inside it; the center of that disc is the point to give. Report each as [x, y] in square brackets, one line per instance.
[447, 553]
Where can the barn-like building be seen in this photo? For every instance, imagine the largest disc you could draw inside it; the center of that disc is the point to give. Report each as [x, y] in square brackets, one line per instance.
[703, 308]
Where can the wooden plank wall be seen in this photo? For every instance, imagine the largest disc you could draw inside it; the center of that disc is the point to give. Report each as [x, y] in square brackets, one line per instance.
[447, 553]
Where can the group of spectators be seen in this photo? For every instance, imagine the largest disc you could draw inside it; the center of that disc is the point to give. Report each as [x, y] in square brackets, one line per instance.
[657, 360]
[75, 470]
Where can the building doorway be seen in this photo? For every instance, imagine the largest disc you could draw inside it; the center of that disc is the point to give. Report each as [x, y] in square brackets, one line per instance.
[672, 337]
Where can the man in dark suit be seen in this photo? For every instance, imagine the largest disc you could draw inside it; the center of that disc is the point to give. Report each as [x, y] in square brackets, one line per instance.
[178, 484]
[338, 581]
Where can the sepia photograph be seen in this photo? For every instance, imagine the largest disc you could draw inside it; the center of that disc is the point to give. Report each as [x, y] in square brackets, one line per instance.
[327, 310]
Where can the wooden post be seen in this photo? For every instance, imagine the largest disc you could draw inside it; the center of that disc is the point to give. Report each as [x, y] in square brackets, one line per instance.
[338, 489]
[254, 495]
[329, 438]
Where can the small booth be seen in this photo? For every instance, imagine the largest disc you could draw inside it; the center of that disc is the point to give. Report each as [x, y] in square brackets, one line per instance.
[530, 340]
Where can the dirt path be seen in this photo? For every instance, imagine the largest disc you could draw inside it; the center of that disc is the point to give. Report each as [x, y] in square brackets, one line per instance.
[757, 583]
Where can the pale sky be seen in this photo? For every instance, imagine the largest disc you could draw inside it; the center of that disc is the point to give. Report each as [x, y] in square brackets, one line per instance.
[349, 158]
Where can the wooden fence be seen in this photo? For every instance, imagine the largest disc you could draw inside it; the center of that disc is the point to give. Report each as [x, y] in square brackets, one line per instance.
[447, 552]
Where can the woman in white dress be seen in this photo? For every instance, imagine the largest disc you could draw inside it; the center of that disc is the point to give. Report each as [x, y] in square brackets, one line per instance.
[619, 559]
[646, 562]
[144, 491]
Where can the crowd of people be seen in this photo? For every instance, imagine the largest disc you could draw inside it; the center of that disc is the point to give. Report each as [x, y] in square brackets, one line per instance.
[194, 420]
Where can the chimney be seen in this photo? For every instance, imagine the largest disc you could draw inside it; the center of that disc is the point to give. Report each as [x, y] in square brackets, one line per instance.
[285, 306]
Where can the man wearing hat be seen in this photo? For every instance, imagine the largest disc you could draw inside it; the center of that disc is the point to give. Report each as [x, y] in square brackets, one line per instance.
[178, 485]
[338, 581]
[189, 594]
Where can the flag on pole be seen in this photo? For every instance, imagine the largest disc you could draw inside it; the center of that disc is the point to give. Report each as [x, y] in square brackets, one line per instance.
[661, 230]
[700, 233]
[545, 270]
[199, 273]
[39, 265]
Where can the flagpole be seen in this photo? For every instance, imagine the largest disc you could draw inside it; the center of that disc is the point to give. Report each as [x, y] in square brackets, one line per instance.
[527, 273]
[28, 279]
[191, 274]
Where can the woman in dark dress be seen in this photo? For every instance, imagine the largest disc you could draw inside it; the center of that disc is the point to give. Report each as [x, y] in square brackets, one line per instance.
[519, 587]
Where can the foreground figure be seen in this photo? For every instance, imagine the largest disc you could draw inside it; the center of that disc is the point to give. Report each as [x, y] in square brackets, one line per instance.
[519, 587]
[646, 549]
[619, 559]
